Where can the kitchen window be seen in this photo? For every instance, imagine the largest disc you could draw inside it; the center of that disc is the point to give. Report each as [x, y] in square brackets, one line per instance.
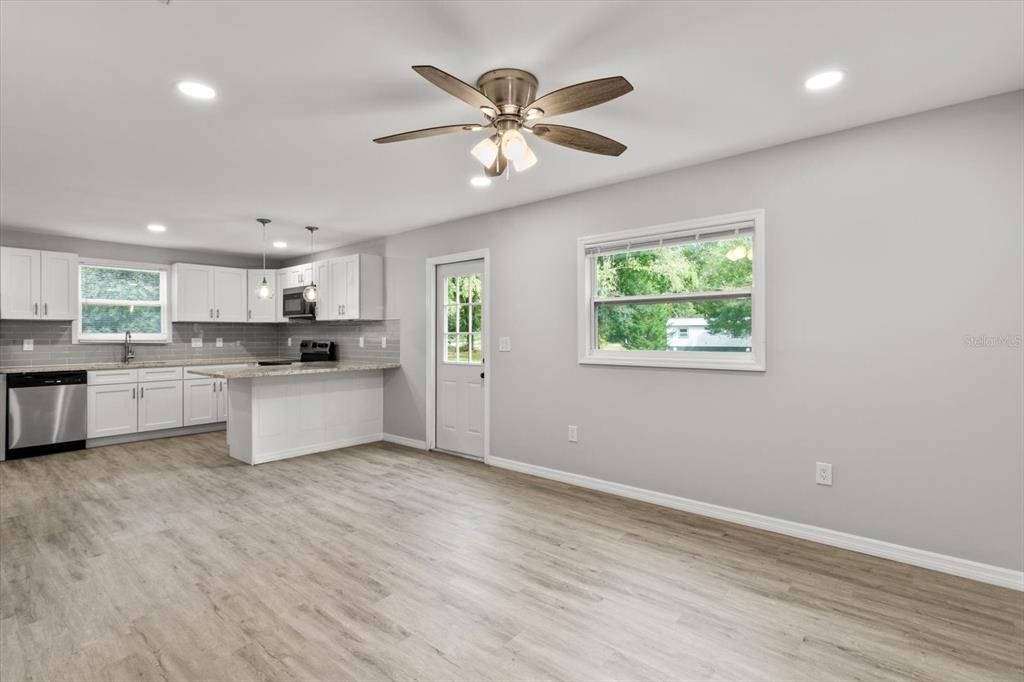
[687, 295]
[119, 297]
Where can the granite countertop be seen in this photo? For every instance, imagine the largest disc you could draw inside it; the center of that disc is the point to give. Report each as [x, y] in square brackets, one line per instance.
[296, 368]
[139, 364]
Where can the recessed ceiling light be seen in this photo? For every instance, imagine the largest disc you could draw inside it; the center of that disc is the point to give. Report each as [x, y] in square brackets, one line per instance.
[823, 80]
[155, 227]
[280, 245]
[196, 90]
[480, 181]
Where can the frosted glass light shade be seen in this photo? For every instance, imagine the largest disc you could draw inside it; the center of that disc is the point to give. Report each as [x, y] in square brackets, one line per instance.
[486, 151]
[527, 161]
[310, 293]
[513, 146]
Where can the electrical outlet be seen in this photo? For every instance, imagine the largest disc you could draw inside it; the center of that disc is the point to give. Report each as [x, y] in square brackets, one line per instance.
[823, 473]
[572, 433]
[220, 342]
[383, 342]
[504, 344]
[197, 342]
[289, 342]
[362, 342]
[28, 344]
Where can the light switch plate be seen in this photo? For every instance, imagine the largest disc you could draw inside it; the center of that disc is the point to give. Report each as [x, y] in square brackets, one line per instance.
[504, 344]
[362, 342]
[28, 344]
[197, 342]
[383, 342]
[289, 342]
[220, 342]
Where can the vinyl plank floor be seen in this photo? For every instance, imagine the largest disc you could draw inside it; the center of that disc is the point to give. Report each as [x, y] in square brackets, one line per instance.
[168, 560]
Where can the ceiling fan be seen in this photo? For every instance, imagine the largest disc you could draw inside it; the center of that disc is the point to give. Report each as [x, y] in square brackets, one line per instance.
[507, 99]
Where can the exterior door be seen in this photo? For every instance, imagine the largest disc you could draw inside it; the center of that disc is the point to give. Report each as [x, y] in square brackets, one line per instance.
[459, 358]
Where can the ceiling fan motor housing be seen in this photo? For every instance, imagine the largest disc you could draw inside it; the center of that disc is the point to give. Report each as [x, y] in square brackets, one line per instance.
[512, 90]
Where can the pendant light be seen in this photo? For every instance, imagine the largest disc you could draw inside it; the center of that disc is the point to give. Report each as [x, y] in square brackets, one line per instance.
[264, 291]
[311, 293]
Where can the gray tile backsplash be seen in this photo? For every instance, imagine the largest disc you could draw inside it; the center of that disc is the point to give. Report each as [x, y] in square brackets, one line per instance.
[241, 340]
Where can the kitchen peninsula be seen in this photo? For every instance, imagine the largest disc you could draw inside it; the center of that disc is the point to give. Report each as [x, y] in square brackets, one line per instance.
[282, 411]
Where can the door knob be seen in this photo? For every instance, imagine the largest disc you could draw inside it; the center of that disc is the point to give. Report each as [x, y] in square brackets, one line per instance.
[481, 375]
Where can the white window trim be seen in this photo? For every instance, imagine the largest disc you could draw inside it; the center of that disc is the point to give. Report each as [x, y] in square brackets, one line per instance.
[165, 274]
[588, 354]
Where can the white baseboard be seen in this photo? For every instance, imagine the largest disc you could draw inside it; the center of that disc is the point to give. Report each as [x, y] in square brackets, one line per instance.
[965, 568]
[402, 440]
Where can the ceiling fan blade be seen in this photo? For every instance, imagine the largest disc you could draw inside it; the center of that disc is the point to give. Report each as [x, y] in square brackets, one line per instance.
[428, 132]
[577, 138]
[581, 96]
[453, 86]
[497, 168]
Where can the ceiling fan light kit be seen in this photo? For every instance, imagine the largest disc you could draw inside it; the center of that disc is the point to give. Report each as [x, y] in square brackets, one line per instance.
[507, 98]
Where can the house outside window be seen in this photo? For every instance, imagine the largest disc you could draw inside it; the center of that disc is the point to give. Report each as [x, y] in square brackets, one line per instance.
[119, 297]
[688, 295]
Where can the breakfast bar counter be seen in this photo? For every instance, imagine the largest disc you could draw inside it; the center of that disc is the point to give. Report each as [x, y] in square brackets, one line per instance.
[281, 411]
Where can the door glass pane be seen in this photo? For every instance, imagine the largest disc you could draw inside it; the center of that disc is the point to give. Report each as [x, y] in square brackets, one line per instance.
[474, 348]
[452, 354]
[453, 318]
[463, 318]
[451, 286]
[477, 319]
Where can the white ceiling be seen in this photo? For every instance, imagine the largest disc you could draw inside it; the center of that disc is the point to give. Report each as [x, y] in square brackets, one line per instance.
[96, 142]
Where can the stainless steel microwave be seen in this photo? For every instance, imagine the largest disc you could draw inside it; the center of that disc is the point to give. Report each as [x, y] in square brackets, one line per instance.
[294, 305]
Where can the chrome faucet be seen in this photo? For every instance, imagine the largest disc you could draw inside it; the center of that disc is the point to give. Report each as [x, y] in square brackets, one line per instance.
[127, 352]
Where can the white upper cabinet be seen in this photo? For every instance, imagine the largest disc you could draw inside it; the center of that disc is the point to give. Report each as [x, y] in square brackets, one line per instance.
[38, 285]
[191, 293]
[351, 288]
[204, 293]
[297, 275]
[229, 298]
[262, 310]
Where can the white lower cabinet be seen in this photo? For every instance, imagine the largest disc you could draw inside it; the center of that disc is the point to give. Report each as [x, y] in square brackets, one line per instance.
[222, 400]
[160, 405]
[200, 401]
[112, 410]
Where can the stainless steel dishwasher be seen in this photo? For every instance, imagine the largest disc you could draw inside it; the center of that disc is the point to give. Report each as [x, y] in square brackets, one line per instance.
[46, 412]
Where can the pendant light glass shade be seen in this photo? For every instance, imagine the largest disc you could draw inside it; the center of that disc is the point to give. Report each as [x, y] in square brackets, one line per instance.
[264, 292]
[310, 294]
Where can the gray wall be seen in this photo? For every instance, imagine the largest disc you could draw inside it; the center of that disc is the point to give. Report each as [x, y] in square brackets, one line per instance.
[887, 245]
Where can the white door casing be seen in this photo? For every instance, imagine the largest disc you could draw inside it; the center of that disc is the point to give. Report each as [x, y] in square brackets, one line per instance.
[459, 357]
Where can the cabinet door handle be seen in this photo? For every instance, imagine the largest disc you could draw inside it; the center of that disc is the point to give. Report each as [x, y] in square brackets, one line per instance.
[36, 310]
[343, 310]
[218, 313]
[142, 391]
[339, 310]
[211, 313]
[133, 393]
[249, 315]
[213, 387]
[46, 309]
